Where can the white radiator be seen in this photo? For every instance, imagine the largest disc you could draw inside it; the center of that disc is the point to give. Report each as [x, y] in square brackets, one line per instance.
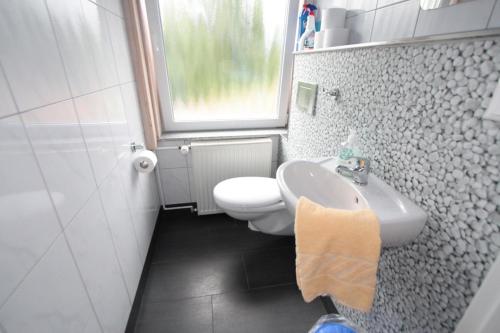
[214, 161]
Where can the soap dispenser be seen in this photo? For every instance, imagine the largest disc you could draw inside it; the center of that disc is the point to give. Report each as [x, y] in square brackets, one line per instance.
[349, 148]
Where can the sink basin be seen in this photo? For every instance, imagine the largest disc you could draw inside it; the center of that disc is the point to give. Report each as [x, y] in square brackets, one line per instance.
[400, 219]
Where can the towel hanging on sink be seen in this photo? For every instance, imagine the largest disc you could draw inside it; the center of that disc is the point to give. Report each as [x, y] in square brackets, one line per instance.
[337, 253]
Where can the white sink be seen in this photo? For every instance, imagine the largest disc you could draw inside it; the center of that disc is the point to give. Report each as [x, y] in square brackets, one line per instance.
[400, 219]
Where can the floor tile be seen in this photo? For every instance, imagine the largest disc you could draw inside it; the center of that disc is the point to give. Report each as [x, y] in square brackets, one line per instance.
[187, 315]
[236, 240]
[270, 267]
[212, 274]
[195, 277]
[188, 237]
[273, 310]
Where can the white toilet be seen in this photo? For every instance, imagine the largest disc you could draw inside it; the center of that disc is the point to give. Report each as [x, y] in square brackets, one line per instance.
[256, 200]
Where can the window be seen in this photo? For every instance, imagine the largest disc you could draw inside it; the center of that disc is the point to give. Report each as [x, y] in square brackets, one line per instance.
[223, 64]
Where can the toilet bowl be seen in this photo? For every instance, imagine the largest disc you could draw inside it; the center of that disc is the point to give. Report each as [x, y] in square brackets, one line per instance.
[256, 200]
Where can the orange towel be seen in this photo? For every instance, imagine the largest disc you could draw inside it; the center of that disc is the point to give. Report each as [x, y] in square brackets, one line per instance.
[337, 253]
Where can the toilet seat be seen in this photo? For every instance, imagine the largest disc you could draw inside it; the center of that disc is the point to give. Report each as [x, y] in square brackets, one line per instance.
[248, 194]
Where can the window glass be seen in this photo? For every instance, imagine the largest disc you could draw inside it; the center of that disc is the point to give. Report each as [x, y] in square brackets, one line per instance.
[223, 57]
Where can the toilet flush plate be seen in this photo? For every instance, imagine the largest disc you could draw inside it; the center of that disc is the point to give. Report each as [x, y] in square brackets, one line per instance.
[306, 97]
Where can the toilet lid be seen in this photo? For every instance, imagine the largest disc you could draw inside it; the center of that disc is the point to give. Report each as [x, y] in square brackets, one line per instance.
[247, 192]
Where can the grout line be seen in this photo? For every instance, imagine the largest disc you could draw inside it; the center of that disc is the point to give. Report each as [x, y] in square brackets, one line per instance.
[106, 9]
[113, 42]
[85, 143]
[285, 284]
[92, 45]
[373, 24]
[30, 270]
[63, 228]
[65, 237]
[37, 107]
[130, 214]
[179, 299]
[117, 257]
[392, 4]
[62, 100]
[35, 158]
[359, 14]
[213, 318]
[416, 22]
[245, 270]
[58, 217]
[491, 14]
[376, 8]
[229, 253]
[166, 300]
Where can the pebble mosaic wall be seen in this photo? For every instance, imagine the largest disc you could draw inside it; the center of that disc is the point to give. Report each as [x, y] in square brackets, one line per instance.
[418, 111]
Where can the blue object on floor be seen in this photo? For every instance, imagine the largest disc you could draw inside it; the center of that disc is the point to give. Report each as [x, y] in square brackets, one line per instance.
[334, 328]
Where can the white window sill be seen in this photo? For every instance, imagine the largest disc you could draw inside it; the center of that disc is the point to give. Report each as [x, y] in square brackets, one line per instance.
[226, 134]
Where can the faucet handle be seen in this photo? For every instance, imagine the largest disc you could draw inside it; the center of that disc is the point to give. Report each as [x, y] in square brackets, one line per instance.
[362, 164]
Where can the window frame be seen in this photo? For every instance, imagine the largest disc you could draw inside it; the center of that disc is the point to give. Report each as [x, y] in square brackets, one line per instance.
[165, 100]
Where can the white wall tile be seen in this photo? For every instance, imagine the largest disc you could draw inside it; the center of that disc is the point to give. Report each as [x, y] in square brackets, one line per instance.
[175, 185]
[191, 184]
[92, 113]
[56, 137]
[113, 5]
[495, 17]
[50, 294]
[395, 22]
[322, 4]
[467, 16]
[73, 38]
[51, 299]
[360, 27]
[152, 202]
[117, 120]
[275, 146]
[29, 54]
[121, 49]
[100, 39]
[171, 158]
[355, 7]
[6, 101]
[28, 221]
[90, 240]
[274, 168]
[133, 182]
[122, 230]
[384, 3]
[132, 112]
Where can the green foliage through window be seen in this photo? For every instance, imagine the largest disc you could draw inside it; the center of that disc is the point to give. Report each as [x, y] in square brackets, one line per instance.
[222, 55]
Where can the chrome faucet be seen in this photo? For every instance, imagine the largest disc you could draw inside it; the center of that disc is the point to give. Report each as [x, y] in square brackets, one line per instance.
[358, 171]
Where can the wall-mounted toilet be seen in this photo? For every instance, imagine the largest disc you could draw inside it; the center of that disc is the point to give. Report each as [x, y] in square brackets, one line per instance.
[256, 200]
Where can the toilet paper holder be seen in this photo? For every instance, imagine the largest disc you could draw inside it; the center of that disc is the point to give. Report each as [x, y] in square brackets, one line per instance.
[136, 146]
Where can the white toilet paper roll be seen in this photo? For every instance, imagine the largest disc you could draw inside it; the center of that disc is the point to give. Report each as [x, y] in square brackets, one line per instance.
[335, 37]
[332, 18]
[318, 39]
[144, 161]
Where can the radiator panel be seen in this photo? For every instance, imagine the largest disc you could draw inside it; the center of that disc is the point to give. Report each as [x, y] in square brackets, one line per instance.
[215, 161]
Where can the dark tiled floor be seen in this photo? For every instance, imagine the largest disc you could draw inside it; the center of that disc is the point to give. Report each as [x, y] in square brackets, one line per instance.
[213, 274]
